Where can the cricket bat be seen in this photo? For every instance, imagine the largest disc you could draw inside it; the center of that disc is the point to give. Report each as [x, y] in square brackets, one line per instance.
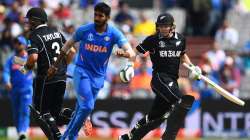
[218, 88]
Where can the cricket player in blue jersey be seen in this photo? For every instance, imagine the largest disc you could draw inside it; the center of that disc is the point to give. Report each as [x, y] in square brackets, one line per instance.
[96, 43]
[19, 86]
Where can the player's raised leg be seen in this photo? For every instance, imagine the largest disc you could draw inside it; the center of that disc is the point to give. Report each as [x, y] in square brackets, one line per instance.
[177, 117]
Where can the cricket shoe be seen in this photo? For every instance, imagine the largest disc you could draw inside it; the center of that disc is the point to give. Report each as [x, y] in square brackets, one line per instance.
[123, 137]
[87, 127]
[22, 137]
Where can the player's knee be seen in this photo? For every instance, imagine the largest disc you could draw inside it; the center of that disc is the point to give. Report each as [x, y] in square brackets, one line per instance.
[87, 106]
[186, 101]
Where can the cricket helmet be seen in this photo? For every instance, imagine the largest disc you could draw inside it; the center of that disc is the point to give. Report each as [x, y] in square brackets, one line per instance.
[165, 19]
[37, 13]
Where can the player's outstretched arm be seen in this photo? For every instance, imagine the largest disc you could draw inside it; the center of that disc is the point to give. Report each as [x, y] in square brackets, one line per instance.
[29, 64]
[126, 52]
[63, 55]
[70, 55]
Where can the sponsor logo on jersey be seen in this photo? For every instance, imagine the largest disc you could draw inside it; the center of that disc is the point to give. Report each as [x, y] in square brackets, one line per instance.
[96, 48]
[107, 38]
[162, 44]
[170, 84]
[170, 53]
[90, 37]
[178, 43]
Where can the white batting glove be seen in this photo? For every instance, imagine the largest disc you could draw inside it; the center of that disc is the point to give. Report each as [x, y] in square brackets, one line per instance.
[127, 73]
[19, 60]
[195, 73]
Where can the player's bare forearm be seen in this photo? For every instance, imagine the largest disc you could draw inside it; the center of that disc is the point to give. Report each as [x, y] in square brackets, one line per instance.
[186, 59]
[127, 52]
[66, 49]
[68, 45]
[70, 55]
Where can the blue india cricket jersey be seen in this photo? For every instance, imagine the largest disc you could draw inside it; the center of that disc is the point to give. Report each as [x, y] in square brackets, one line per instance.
[95, 49]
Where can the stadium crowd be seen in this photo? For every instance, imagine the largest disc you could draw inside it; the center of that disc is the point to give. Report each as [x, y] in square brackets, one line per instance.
[225, 21]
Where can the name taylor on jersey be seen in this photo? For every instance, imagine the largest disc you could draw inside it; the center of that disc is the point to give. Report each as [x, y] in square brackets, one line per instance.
[51, 36]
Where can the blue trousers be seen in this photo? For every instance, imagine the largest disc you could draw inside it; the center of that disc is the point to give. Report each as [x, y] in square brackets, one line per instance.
[20, 101]
[87, 88]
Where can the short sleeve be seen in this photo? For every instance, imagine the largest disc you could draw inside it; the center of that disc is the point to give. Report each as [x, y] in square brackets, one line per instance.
[120, 39]
[145, 45]
[35, 45]
[183, 46]
[78, 35]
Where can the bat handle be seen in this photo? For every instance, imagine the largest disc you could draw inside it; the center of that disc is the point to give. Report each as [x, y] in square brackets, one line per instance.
[187, 66]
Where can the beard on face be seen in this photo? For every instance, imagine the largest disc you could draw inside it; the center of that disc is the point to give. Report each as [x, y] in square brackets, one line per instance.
[99, 23]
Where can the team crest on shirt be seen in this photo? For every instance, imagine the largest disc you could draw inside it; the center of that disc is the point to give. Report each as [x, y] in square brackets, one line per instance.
[90, 37]
[162, 44]
[178, 43]
[106, 38]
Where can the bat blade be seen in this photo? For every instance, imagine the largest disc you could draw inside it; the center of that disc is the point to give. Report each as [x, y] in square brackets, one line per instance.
[219, 89]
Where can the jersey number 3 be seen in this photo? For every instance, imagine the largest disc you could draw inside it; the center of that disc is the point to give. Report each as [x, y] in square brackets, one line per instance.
[55, 46]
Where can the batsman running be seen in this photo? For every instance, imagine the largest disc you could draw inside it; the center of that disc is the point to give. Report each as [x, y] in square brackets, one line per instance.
[167, 50]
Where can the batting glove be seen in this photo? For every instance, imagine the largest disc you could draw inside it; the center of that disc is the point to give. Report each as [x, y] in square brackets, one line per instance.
[195, 73]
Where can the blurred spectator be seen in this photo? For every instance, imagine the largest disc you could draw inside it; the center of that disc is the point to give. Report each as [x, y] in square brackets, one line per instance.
[34, 3]
[246, 55]
[131, 38]
[230, 76]
[144, 27]
[2, 17]
[24, 6]
[218, 13]
[141, 83]
[68, 29]
[198, 8]
[206, 91]
[52, 4]
[123, 16]
[7, 2]
[216, 56]
[85, 3]
[227, 37]
[180, 16]
[13, 14]
[62, 12]
[5, 42]
[240, 6]
[44, 5]
[166, 4]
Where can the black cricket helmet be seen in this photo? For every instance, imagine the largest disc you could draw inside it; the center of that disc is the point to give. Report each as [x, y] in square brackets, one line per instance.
[37, 14]
[165, 19]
